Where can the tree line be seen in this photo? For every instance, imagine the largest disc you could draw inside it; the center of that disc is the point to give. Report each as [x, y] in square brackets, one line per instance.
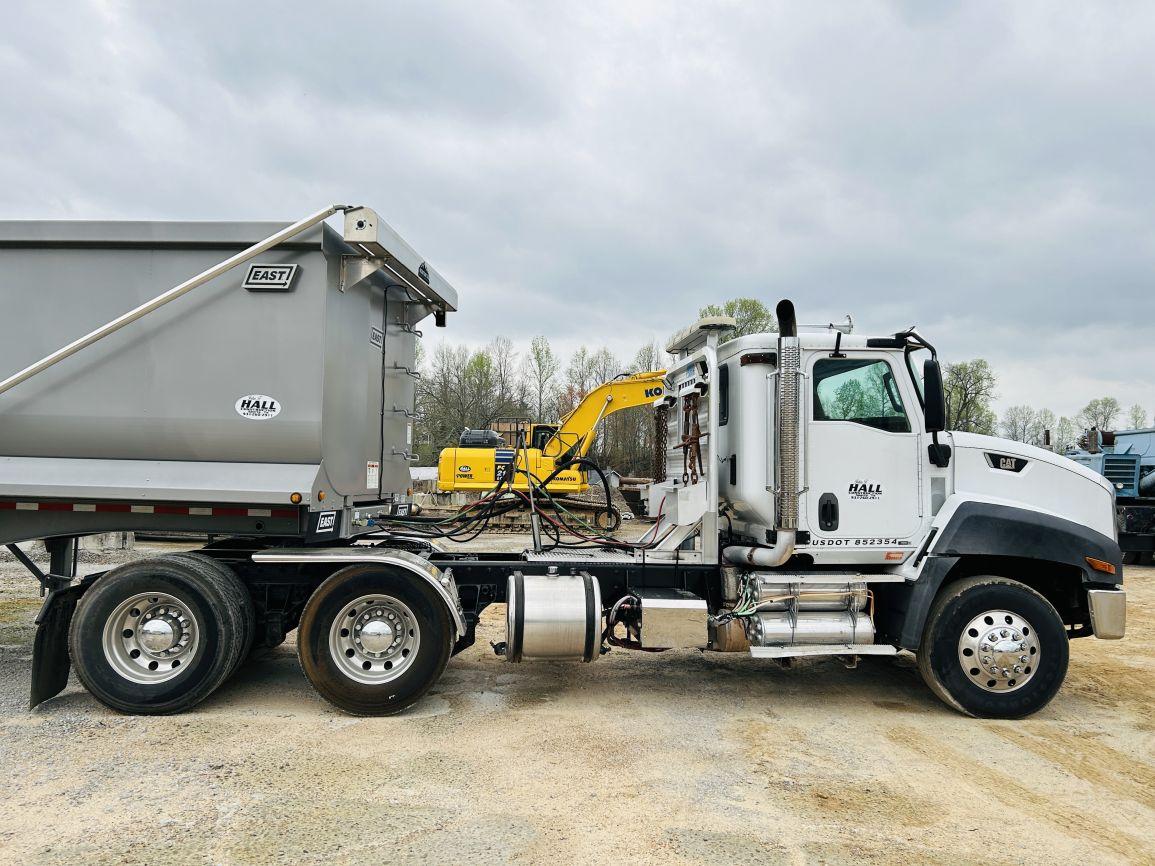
[970, 388]
[463, 387]
[477, 387]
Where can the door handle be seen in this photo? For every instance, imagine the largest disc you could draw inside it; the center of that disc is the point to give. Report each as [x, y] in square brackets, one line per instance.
[828, 512]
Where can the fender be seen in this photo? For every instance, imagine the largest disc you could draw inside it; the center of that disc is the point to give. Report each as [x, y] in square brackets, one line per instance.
[987, 529]
[441, 582]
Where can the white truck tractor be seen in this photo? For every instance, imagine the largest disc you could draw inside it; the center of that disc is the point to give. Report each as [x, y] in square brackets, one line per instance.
[809, 501]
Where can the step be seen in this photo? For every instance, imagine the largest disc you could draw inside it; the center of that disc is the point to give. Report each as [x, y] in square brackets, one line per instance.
[805, 577]
[858, 649]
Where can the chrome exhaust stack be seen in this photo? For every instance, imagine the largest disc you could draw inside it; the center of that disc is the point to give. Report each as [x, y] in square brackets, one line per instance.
[786, 436]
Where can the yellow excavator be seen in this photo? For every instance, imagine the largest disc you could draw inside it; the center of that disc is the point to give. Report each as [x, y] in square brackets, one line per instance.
[483, 458]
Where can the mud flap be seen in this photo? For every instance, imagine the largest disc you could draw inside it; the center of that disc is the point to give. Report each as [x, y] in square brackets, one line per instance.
[469, 638]
[50, 662]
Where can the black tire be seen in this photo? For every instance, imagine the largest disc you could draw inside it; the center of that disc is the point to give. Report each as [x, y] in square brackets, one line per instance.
[210, 659]
[328, 608]
[940, 662]
[244, 617]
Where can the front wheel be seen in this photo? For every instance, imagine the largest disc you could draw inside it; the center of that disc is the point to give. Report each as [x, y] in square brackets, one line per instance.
[374, 641]
[993, 648]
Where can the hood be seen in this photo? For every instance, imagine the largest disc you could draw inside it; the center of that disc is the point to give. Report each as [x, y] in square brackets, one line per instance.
[1021, 449]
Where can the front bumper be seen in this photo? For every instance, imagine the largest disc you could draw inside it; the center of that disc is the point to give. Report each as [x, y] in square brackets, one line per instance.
[1108, 612]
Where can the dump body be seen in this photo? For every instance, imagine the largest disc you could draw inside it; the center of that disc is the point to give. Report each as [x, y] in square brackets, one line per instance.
[263, 383]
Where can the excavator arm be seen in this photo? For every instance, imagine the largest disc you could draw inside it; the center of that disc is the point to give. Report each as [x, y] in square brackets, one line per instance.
[575, 435]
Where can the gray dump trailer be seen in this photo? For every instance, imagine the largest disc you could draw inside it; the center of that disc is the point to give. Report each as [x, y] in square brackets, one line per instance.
[255, 382]
[267, 394]
[282, 382]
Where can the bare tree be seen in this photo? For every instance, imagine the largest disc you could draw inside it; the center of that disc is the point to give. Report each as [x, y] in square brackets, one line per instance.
[1137, 417]
[649, 357]
[579, 378]
[540, 371]
[1065, 435]
[603, 368]
[508, 396]
[1018, 423]
[1044, 421]
[444, 402]
[462, 388]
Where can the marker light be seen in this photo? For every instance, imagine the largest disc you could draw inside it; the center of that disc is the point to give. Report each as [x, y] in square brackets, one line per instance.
[1100, 565]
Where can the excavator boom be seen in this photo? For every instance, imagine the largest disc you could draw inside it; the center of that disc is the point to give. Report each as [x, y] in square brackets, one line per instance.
[578, 429]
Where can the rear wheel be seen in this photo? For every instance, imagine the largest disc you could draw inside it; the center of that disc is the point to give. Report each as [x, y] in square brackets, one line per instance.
[372, 641]
[154, 636]
[993, 648]
[241, 612]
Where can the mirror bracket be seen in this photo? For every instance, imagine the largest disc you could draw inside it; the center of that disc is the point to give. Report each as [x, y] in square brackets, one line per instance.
[938, 452]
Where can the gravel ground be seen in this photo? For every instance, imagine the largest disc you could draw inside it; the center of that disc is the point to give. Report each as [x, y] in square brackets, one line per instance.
[675, 757]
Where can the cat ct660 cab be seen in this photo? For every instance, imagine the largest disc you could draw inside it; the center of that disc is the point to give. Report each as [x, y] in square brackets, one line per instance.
[483, 459]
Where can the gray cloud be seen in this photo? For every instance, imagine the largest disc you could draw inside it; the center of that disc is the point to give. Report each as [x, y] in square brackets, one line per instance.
[597, 171]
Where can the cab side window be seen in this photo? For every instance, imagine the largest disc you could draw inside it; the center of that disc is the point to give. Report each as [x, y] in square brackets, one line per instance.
[860, 390]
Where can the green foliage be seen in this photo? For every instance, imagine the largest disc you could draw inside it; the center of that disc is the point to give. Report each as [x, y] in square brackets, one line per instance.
[1100, 413]
[752, 316]
[970, 396]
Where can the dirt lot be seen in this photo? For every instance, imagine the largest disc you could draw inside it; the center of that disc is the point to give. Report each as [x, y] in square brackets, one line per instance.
[677, 757]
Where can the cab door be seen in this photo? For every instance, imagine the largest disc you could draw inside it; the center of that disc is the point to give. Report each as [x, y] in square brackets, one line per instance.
[862, 454]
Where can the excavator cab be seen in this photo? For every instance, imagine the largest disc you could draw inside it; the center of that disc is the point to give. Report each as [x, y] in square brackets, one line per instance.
[540, 434]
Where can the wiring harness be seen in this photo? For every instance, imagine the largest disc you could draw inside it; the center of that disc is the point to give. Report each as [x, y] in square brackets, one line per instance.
[562, 527]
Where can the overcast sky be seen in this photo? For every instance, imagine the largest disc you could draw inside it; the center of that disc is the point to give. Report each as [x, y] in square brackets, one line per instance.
[596, 171]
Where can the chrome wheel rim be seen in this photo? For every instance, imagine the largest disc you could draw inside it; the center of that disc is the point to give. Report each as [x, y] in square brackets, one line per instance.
[999, 651]
[151, 638]
[374, 639]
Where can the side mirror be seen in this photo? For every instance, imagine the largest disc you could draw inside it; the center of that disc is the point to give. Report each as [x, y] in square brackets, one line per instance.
[933, 397]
